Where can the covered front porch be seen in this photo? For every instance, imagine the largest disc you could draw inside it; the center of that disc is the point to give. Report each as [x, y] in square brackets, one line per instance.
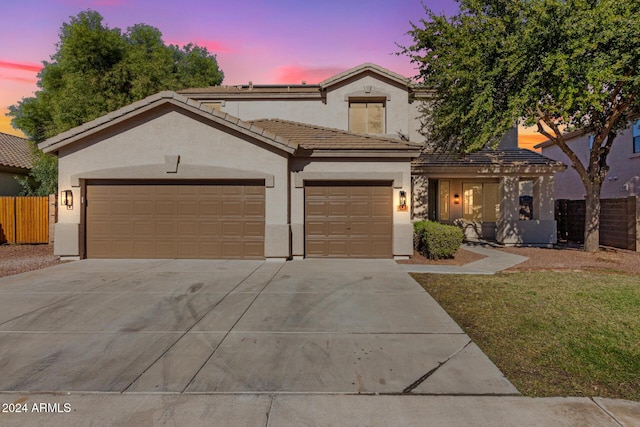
[504, 196]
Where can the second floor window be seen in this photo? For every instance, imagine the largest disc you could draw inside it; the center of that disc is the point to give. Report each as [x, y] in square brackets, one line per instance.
[367, 117]
[636, 137]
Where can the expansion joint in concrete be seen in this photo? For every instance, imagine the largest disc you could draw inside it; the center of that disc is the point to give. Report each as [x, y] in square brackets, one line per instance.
[273, 397]
[433, 371]
[609, 414]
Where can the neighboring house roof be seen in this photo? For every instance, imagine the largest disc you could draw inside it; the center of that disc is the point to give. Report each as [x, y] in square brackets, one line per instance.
[509, 159]
[313, 137]
[281, 134]
[15, 152]
[567, 136]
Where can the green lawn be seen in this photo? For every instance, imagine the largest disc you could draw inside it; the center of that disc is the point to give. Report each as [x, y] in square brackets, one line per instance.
[551, 334]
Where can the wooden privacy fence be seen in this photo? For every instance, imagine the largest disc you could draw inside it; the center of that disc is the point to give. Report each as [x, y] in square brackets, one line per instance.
[619, 222]
[24, 219]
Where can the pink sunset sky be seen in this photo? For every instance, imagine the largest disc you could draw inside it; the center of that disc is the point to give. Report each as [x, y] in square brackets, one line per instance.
[264, 41]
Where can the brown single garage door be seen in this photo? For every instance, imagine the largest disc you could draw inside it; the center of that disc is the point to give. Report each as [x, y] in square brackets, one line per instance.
[175, 219]
[345, 220]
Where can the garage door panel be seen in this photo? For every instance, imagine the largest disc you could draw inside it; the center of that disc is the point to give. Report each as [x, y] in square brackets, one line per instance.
[188, 229]
[253, 190]
[338, 208]
[210, 229]
[178, 220]
[338, 191]
[123, 246]
[317, 228]
[122, 229]
[253, 208]
[363, 191]
[254, 229]
[380, 209]
[166, 228]
[313, 209]
[121, 207]
[253, 250]
[210, 249]
[101, 228]
[360, 248]
[360, 208]
[338, 248]
[379, 248]
[360, 228]
[210, 208]
[316, 248]
[337, 228]
[348, 220]
[232, 208]
[188, 208]
[232, 228]
[142, 228]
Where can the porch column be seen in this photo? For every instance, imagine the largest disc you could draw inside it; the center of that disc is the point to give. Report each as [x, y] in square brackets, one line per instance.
[507, 231]
[543, 206]
[420, 202]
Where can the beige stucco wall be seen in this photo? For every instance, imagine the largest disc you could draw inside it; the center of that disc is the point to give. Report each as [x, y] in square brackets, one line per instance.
[138, 149]
[398, 172]
[622, 180]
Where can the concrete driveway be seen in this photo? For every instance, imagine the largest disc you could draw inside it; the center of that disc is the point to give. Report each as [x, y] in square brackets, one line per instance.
[321, 326]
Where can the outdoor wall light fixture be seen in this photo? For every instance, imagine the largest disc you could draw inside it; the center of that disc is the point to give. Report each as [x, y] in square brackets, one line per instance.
[402, 206]
[66, 198]
[456, 199]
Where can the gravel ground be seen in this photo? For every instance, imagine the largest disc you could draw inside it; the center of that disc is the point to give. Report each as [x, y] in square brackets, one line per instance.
[560, 258]
[16, 259]
[565, 258]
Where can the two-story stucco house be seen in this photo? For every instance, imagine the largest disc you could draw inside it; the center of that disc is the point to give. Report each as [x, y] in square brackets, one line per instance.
[272, 171]
[623, 178]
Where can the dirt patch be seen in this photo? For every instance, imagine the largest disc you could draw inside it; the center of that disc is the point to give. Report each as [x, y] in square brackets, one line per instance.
[461, 257]
[565, 258]
[16, 259]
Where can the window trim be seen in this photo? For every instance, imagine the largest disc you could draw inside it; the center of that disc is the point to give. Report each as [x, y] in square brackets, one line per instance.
[366, 101]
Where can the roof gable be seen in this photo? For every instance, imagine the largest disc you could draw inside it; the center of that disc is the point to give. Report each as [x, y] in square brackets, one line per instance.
[156, 101]
[15, 152]
[367, 67]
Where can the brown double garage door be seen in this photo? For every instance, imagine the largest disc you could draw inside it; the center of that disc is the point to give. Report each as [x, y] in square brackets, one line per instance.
[227, 220]
[175, 220]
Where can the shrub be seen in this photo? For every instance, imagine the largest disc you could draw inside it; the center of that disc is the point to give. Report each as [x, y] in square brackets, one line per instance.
[435, 240]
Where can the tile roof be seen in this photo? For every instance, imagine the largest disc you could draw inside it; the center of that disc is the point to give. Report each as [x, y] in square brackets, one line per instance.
[249, 89]
[487, 157]
[312, 137]
[15, 152]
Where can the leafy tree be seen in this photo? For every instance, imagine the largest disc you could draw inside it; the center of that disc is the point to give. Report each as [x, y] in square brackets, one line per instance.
[560, 65]
[97, 69]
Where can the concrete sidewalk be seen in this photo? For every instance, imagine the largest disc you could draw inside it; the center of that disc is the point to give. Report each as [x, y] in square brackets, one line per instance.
[312, 409]
[493, 262]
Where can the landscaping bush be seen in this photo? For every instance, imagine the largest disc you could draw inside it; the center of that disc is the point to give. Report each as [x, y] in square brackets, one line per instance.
[435, 240]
